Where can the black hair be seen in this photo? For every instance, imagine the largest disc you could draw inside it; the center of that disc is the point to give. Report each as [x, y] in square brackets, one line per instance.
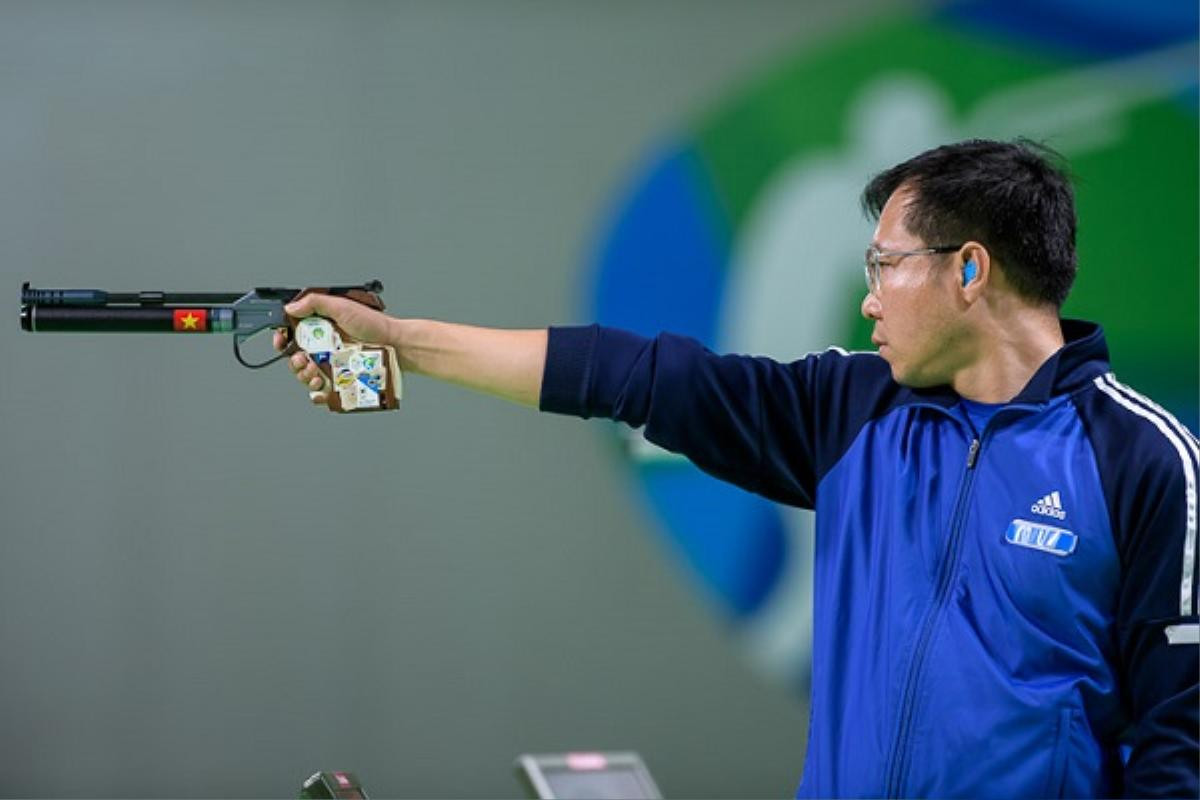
[1011, 197]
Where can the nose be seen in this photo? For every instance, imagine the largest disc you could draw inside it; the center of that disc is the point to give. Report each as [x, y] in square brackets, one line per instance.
[871, 309]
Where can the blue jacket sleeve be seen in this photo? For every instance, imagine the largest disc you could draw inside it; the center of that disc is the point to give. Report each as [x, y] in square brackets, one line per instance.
[766, 426]
[1148, 465]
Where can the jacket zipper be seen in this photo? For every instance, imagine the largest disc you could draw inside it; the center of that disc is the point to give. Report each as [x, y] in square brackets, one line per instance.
[898, 762]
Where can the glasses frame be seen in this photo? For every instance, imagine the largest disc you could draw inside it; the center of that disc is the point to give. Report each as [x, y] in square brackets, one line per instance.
[874, 261]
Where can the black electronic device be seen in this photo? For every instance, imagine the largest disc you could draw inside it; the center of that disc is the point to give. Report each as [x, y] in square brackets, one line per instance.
[583, 776]
[330, 785]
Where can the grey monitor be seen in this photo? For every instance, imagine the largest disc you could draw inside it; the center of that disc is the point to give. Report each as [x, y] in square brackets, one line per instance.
[586, 776]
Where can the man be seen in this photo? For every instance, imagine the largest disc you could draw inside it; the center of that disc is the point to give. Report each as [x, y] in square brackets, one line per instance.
[1005, 580]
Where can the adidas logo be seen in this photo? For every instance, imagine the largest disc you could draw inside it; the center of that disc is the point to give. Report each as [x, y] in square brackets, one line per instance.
[1049, 506]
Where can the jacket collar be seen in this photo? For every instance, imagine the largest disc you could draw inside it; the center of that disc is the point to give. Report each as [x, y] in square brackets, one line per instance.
[1083, 356]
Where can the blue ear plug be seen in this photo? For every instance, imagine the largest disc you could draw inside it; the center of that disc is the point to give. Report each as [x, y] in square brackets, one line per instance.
[969, 270]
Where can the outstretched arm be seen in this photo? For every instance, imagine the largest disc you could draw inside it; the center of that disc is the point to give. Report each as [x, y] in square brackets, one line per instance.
[504, 363]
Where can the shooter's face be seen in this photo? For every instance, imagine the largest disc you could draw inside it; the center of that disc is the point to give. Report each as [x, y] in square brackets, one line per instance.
[913, 305]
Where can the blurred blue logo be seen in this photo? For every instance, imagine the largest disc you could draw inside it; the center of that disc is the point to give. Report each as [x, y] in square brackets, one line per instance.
[743, 231]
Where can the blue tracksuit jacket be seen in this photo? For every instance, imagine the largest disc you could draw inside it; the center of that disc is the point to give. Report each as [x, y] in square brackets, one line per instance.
[998, 612]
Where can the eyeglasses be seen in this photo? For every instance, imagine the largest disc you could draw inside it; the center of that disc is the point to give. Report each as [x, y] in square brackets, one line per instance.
[875, 260]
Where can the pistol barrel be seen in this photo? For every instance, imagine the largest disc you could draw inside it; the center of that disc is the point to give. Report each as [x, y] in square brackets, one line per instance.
[129, 319]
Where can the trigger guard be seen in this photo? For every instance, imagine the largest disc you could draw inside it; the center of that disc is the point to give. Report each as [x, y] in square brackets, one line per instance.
[290, 349]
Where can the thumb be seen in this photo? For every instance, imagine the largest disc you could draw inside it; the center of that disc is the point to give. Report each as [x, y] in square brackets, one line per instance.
[312, 304]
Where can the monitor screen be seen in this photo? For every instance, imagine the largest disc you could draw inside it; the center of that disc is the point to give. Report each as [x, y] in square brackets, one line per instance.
[600, 784]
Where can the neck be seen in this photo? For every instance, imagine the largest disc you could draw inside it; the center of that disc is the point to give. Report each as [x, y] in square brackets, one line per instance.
[1007, 355]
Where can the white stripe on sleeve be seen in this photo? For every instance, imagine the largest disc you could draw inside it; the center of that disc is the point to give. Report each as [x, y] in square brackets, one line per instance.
[1185, 446]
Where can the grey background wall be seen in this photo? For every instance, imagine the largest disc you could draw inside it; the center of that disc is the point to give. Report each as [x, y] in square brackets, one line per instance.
[207, 587]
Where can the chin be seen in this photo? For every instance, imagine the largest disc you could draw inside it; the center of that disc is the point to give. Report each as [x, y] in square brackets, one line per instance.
[898, 372]
[899, 377]
[911, 378]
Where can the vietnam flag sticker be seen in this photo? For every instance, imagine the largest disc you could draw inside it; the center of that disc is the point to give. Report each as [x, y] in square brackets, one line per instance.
[191, 320]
